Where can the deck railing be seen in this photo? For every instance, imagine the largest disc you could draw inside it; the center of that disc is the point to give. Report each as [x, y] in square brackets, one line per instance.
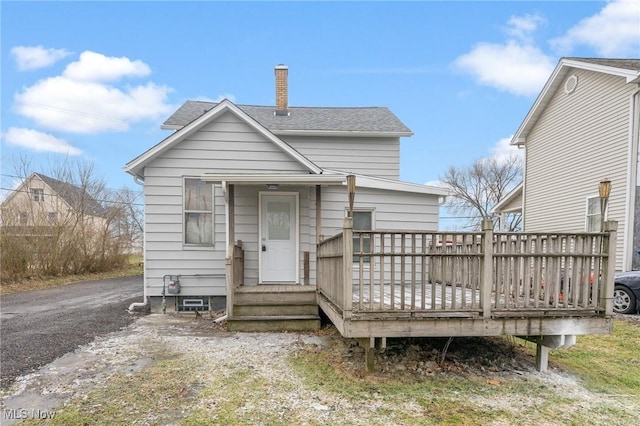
[422, 274]
[234, 272]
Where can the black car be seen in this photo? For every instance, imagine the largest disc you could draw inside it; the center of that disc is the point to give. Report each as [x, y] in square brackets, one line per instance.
[626, 293]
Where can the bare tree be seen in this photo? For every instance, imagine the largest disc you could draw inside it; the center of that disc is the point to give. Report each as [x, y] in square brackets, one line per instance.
[126, 205]
[74, 225]
[478, 188]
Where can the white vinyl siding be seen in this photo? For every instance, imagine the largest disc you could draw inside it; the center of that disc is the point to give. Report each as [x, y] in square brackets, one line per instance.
[579, 139]
[368, 156]
[226, 145]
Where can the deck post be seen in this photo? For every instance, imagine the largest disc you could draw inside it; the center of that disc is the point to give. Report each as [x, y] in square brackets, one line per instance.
[609, 248]
[231, 288]
[229, 261]
[347, 265]
[542, 357]
[486, 279]
[369, 345]
[319, 237]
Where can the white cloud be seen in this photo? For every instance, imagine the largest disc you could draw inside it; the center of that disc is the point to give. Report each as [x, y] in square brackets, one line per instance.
[34, 57]
[80, 102]
[436, 183]
[503, 150]
[522, 27]
[614, 31]
[94, 66]
[515, 67]
[38, 141]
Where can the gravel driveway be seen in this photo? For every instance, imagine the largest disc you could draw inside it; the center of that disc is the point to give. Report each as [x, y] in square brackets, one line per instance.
[40, 326]
[164, 368]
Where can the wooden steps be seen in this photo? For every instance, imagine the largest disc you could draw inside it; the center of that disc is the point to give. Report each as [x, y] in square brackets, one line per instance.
[275, 308]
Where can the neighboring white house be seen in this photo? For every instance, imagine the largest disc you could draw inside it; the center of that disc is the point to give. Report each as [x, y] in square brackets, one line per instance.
[583, 127]
[44, 202]
[273, 177]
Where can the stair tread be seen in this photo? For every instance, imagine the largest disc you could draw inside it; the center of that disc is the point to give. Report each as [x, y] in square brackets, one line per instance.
[272, 317]
[274, 303]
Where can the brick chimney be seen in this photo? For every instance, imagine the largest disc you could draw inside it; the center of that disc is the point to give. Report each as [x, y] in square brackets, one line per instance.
[282, 90]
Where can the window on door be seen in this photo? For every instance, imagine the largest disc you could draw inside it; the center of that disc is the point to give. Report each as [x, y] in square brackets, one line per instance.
[198, 212]
[362, 221]
[593, 216]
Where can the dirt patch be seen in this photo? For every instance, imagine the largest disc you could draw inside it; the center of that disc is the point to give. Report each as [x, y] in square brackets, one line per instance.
[210, 375]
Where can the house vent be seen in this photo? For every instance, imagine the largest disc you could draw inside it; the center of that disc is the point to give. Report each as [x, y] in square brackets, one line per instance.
[192, 303]
[571, 84]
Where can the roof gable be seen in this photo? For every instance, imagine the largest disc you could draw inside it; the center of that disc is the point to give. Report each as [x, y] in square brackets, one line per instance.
[625, 68]
[305, 120]
[512, 202]
[136, 166]
[75, 197]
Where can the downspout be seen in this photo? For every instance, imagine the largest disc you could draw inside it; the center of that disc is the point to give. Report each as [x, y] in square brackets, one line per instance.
[145, 300]
[634, 179]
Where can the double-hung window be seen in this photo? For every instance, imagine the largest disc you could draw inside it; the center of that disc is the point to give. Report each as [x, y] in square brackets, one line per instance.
[37, 194]
[198, 212]
[593, 215]
[362, 221]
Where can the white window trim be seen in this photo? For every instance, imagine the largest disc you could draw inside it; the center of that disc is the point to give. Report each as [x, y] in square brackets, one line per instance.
[365, 265]
[587, 215]
[194, 246]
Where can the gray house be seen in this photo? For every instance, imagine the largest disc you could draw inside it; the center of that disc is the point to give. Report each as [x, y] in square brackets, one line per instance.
[271, 181]
[583, 127]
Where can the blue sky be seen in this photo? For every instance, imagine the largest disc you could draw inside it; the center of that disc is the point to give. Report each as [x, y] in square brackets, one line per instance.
[94, 80]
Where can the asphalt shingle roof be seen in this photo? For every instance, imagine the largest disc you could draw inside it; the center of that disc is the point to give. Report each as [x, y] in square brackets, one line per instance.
[75, 196]
[344, 119]
[627, 64]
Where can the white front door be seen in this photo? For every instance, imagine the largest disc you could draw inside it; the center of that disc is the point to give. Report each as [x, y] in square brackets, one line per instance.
[278, 238]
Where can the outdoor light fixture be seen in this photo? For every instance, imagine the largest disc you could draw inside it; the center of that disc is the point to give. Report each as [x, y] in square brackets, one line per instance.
[272, 186]
[604, 190]
[351, 189]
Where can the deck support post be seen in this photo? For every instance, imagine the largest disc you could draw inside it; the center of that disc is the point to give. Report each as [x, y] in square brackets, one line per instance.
[319, 236]
[230, 199]
[609, 248]
[486, 282]
[369, 345]
[347, 265]
[542, 357]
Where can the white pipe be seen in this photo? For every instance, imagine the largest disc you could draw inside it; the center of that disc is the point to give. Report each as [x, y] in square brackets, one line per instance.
[145, 300]
[219, 320]
[139, 304]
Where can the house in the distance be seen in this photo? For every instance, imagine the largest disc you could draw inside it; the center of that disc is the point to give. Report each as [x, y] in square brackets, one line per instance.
[583, 128]
[41, 203]
[273, 177]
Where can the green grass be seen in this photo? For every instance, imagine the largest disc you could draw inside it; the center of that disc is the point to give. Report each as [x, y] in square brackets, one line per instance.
[606, 363]
[164, 391]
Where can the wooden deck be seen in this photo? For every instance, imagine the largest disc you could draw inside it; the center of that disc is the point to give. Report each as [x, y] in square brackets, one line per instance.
[545, 287]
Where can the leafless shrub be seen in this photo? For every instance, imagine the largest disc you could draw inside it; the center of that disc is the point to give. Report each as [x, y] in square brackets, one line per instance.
[75, 225]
